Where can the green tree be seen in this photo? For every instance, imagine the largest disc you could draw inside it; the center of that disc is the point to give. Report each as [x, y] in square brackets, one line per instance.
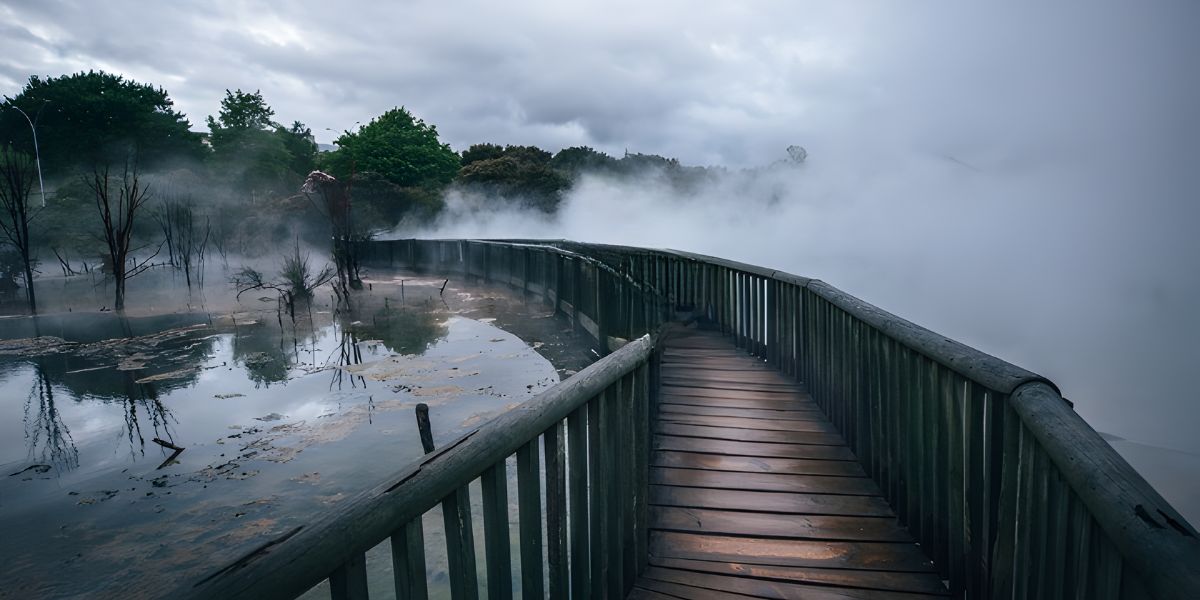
[241, 111]
[520, 173]
[582, 159]
[94, 118]
[479, 152]
[252, 151]
[301, 147]
[399, 148]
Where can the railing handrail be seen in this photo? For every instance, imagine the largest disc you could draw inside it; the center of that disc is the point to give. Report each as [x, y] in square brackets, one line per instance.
[277, 569]
[986, 369]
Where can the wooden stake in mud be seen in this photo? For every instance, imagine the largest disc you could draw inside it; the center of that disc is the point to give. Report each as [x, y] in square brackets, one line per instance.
[456, 515]
[424, 427]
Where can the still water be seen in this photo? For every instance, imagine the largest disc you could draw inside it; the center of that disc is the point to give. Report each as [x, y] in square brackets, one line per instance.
[279, 421]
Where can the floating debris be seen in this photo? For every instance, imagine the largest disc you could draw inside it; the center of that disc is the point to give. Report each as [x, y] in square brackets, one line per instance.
[39, 469]
[176, 374]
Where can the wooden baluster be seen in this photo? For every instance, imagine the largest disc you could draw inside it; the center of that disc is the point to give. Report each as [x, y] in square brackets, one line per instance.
[556, 511]
[408, 561]
[349, 581]
[497, 554]
[598, 507]
[529, 505]
[577, 473]
[456, 517]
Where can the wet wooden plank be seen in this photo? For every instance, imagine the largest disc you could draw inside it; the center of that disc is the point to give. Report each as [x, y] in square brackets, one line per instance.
[749, 435]
[745, 413]
[739, 448]
[754, 493]
[764, 588]
[878, 556]
[756, 464]
[920, 583]
[784, 403]
[706, 364]
[765, 482]
[792, 396]
[770, 502]
[645, 594]
[807, 426]
[771, 525]
[688, 382]
[762, 376]
[669, 589]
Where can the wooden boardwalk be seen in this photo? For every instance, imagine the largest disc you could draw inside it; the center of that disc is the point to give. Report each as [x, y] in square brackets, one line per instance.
[754, 494]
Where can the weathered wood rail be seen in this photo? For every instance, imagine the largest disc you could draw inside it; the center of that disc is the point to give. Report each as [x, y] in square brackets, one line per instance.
[1008, 491]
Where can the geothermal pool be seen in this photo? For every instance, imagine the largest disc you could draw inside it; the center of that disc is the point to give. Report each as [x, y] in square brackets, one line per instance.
[279, 421]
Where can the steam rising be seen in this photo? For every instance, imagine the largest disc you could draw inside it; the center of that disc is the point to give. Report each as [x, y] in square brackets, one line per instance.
[1034, 199]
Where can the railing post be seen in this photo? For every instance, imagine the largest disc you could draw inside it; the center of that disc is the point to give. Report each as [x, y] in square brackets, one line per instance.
[497, 555]
[349, 581]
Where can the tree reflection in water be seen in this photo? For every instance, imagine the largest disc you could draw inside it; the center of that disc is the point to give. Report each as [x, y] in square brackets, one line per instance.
[400, 329]
[159, 417]
[349, 353]
[48, 438]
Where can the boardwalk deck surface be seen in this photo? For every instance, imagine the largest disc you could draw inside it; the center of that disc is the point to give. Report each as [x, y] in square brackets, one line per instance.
[754, 494]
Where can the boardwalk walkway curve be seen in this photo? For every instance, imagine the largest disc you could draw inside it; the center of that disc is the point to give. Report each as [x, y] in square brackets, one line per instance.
[746, 433]
[754, 493]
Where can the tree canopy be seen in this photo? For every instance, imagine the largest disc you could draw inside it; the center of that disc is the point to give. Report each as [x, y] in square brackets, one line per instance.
[252, 150]
[92, 118]
[519, 173]
[398, 147]
[578, 159]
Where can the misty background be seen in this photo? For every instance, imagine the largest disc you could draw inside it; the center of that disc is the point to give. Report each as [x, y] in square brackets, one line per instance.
[1019, 178]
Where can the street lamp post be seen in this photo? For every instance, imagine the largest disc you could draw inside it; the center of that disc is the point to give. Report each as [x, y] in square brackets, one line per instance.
[37, 157]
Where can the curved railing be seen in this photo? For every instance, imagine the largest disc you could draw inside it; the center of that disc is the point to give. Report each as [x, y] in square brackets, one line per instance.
[1010, 492]
[1005, 486]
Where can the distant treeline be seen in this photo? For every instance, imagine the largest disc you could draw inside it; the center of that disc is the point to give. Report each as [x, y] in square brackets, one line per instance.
[239, 184]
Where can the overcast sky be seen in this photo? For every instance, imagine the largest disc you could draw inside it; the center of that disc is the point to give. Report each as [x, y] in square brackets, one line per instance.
[1021, 178]
[731, 83]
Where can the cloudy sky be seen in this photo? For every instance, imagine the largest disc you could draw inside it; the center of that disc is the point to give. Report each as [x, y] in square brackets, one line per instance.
[732, 83]
[1022, 178]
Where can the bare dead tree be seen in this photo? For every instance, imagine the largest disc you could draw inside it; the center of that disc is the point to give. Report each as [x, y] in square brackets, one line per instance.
[296, 280]
[65, 264]
[16, 181]
[222, 229]
[185, 236]
[165, 214]
[335, 206]
[119, 204]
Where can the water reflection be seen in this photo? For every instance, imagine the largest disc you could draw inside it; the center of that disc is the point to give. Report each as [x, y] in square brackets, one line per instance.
[280, 422]
[144, 396]
[400, 329]
[49, 439]
[264, 356]
[133, 363]
[349, 353]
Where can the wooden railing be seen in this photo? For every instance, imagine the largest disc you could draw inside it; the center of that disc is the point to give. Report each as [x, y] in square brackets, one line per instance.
[591, 431]
[1006, 488]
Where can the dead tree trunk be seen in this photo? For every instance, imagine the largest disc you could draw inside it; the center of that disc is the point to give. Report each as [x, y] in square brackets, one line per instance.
[118, 210]
[16, 181]
[335, 206]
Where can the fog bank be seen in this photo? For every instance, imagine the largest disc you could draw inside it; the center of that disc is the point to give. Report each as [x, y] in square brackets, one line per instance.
[1024, 183]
